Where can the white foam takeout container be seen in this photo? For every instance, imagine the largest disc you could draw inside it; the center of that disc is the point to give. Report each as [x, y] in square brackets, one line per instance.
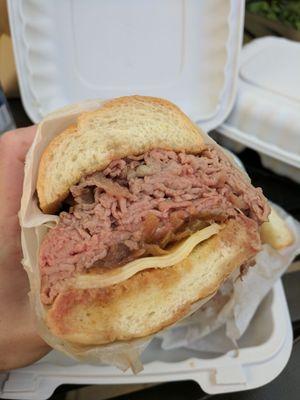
[184, 51]
[264, 351]
[266, 114]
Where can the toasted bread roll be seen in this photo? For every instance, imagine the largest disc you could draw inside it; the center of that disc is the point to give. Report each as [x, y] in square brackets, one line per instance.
[122, 127]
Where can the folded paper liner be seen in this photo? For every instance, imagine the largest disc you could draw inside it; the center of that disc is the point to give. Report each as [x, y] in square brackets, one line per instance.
[34, 225]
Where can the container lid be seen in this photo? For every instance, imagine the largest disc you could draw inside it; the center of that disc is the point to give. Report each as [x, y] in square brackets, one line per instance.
[266, 114]
[186, 52]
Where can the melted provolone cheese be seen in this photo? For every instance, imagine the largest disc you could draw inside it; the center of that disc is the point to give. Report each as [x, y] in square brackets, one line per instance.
[177, 254]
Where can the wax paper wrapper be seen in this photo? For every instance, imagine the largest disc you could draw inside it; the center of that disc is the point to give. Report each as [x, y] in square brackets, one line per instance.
[35, 224]
[217, 326]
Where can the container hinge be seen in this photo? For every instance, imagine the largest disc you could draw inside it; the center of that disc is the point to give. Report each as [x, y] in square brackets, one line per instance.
[19, 382]
[3, 378]
[229, 375]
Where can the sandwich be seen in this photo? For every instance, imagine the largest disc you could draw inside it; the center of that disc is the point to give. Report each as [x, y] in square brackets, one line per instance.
[153, 218]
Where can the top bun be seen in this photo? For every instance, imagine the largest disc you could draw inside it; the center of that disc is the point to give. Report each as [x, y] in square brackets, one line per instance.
[121, 127]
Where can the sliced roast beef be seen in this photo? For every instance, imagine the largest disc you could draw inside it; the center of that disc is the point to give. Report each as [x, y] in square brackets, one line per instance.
[143, 201]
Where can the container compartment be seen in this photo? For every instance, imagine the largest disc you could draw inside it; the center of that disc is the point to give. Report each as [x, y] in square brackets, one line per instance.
[180, 50]
[265, 116]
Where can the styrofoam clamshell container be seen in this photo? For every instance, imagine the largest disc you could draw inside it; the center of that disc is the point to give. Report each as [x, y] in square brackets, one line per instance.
[263, 352]
[266, 114]
[186, 52]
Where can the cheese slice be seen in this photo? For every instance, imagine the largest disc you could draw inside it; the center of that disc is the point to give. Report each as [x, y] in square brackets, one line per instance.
[177, 254]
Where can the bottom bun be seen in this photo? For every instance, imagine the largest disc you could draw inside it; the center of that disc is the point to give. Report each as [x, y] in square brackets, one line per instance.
[155, 298]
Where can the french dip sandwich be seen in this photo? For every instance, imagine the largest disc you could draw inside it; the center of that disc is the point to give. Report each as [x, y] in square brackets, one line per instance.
[151, 220]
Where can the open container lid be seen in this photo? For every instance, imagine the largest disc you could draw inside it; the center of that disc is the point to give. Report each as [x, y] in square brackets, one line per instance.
[266, 114]
[186, 52]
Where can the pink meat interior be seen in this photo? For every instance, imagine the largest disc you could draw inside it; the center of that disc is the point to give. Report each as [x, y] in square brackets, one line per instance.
[139, 205]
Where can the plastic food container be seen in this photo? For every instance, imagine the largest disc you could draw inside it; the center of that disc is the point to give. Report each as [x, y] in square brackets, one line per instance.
[191, 58]
[266, 113]
[264, 351]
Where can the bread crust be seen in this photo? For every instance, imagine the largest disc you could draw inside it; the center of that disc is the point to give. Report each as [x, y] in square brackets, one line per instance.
[153, 299]
[124, 126]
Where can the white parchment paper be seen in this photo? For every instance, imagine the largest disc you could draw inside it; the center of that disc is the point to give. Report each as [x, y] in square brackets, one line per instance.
[230, 307]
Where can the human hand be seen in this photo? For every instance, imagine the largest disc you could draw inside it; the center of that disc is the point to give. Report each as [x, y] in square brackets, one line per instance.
[20, 344]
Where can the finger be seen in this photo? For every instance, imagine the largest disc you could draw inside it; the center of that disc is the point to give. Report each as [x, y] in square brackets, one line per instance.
[20, 344]
[13, 149]
[15, 144]
[25, 138]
